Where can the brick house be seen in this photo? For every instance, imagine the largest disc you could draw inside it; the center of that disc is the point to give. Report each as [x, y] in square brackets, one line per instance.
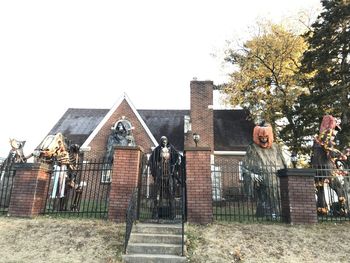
[226, 132]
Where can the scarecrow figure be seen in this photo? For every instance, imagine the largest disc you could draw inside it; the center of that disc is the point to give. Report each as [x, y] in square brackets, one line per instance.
[259, 168]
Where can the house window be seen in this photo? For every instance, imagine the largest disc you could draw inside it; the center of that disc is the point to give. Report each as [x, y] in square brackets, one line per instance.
[216, 183]
[187, 124]
[106, 176]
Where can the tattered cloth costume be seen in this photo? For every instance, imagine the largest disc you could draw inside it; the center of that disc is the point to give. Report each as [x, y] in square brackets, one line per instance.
[163, 164]
[259, 168]
[329, 162]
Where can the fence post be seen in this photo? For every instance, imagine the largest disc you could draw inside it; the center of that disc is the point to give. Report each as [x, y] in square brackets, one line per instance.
[29, 190]
[125, 176]
[298, 199]
[199, 186]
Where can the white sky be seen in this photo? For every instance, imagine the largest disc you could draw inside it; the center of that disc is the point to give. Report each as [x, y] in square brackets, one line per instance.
[56, 55]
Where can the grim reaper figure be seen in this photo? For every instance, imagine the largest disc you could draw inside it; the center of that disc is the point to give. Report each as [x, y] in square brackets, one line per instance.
[164, 162]
[259, 168]
[121, 135]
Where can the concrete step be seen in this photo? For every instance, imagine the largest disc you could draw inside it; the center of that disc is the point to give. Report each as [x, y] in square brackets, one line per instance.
[155, 238]
[148, 258]
[148, 248]
[157, 228]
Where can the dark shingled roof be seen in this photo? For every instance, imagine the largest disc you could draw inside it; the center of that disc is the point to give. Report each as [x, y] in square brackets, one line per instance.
[232, 130]
[78, 124]
[169, 123]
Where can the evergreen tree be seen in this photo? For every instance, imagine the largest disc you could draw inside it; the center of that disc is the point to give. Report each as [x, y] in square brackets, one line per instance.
[326, 65]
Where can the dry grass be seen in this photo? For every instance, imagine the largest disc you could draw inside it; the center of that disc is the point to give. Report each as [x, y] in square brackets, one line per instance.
[254, 242]
[60, 240]
[45, 239]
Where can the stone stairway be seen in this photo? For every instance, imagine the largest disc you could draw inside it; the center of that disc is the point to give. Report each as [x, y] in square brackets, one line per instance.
[155, 243]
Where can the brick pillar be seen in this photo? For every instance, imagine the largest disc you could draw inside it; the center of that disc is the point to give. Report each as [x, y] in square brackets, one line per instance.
[199, 186]
[298, 196]
[29, 190]
[125, 175]
[202, 120]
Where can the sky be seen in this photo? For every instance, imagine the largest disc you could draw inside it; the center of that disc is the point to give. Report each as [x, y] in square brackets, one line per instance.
[56, 55]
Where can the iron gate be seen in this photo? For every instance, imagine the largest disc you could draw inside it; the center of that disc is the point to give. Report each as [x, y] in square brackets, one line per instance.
[162, 199]
[87, 196]
[7, 174]
[240, 196]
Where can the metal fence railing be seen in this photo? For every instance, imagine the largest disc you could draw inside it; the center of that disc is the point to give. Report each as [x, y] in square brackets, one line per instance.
[242, 195]
[85, 196]
[7, 175]
[332, 192]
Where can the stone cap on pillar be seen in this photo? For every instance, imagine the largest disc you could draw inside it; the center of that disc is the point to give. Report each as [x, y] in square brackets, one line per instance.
[128, 148]
[197, 149]
[296, 172]
[32, 166]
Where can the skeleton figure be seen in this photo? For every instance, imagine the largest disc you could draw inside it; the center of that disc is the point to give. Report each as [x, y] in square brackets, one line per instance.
[54, 150]
[164, 162]
[331, 162]
[15, 155]
[262, 160]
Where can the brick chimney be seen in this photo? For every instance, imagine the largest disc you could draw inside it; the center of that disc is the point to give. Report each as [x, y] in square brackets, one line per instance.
[201, 118]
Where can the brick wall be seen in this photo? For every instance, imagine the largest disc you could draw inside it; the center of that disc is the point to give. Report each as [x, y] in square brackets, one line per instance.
[29, 190]
[199, 187]
[126, 170]
[298, 196]
[99, 143]
[201, 114]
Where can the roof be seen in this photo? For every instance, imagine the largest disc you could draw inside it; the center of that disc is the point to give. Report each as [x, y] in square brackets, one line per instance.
[169, 123]
[78, 124]
[232, 130]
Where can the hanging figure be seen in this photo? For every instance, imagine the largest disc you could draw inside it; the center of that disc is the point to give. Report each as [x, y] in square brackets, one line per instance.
[164, 164]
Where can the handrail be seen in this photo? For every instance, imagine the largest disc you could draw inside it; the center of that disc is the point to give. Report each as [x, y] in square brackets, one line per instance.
[130, 217]
[183, 197]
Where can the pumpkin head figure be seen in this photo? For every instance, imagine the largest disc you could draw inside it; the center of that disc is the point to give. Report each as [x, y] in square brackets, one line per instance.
[263, 135]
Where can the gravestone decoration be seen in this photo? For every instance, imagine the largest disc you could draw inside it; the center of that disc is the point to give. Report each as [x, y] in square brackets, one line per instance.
[164, 163]
[259, 171]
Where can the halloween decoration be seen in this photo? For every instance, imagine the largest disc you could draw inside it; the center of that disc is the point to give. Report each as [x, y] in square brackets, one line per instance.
[329, 162]
[259, 171]
[164, 162]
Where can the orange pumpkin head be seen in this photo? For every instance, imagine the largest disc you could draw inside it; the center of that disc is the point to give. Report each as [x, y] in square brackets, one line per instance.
[263, 136]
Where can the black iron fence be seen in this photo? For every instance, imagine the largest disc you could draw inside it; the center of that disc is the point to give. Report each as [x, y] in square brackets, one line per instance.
[162, 199]
[332, 192]
[85, 195]
[240, 194]
[7, 174]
